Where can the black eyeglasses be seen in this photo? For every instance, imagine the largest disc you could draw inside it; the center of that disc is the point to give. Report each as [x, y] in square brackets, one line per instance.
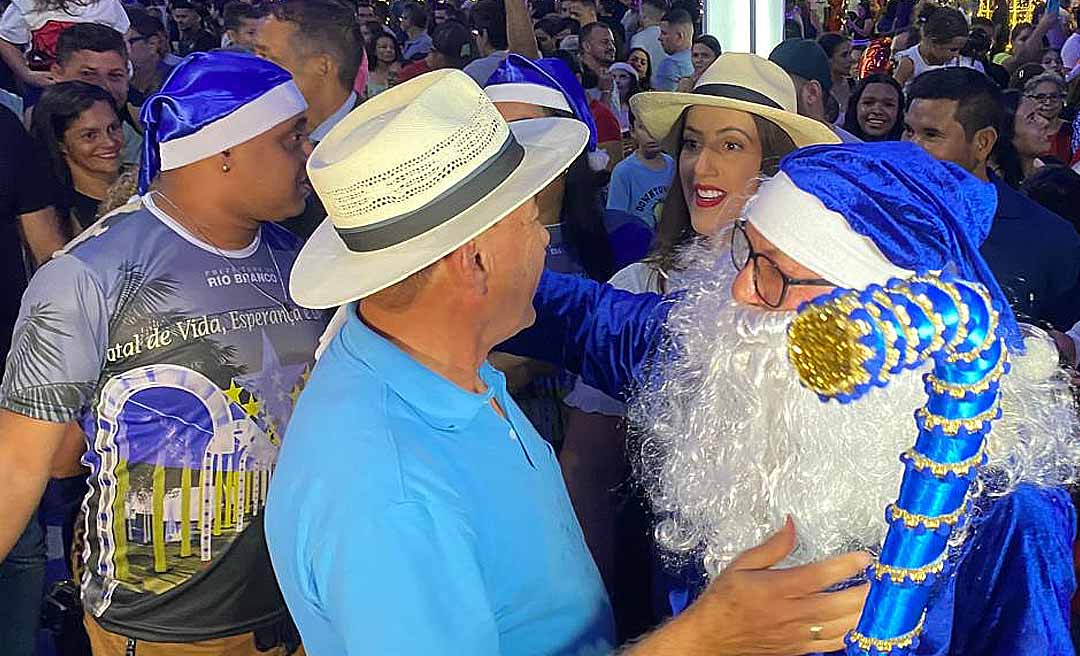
[1046, 98]
[770, 283]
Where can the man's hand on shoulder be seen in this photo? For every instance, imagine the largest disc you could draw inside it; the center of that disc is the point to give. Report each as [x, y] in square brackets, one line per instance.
[752, 610]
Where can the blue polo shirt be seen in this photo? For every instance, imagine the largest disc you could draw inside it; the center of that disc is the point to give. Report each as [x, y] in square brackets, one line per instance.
[1035, 256]
[406, 516]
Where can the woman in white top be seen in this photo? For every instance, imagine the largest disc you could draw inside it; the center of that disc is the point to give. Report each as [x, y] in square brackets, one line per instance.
[944, 36]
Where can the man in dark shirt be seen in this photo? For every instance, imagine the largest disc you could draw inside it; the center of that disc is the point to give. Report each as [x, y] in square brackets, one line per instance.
[26, 195]
[954, 114]
[193, 38]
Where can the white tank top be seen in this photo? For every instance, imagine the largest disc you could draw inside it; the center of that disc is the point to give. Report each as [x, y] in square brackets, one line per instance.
[921, 66]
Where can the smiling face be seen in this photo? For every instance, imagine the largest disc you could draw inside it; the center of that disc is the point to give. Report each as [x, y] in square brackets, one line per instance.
[719, 165]
[93, 141]
[932, 124]
[878, 108]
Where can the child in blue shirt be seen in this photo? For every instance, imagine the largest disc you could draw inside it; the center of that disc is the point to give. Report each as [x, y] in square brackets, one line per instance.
[640, 182]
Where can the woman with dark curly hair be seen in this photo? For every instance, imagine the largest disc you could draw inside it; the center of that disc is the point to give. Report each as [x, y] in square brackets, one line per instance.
[875, 111]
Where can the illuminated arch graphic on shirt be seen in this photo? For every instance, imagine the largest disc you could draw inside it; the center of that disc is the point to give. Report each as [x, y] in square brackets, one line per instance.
[235, 467]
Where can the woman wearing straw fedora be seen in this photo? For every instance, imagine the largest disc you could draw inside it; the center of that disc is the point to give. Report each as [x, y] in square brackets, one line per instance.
[735, 128]
[414, 510]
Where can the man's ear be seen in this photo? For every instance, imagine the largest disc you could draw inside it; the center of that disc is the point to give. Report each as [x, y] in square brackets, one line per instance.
[325, 66]
[813, 93]
[984, 142]
[470, 265]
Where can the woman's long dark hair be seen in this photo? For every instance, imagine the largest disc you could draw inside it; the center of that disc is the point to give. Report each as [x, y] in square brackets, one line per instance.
[674, 229]
[61, 105]
[582, 219]
[851, 118]
[646, 84]
[372, 59]
[1004, 154]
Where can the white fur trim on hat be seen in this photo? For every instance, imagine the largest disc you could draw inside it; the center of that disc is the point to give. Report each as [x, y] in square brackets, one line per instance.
[249, 121]
[821, 240]
[623, 66]
[530, 94]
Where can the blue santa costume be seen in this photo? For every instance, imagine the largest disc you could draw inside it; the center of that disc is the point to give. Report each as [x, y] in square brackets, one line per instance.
[1012, 580]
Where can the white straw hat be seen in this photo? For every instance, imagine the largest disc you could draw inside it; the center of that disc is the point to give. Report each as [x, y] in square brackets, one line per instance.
[413, 174]
[739, 81]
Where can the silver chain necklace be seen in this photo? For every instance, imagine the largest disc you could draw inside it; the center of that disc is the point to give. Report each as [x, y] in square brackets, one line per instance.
[202, 235]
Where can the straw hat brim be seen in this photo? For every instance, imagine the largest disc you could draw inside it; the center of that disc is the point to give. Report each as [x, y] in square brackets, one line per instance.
[660, 111]
[328, 274]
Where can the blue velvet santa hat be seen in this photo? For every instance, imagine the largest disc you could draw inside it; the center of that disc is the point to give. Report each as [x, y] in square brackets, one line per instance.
[211, 102]
[550, 83]
[860, 214]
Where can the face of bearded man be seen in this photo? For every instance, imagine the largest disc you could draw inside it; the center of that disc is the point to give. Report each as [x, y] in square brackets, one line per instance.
[731, 442]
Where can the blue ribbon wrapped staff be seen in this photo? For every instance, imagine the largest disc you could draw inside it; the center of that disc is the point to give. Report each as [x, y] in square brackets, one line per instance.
[847, 342]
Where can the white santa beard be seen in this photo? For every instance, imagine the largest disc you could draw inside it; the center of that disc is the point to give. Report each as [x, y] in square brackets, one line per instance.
[731, 443]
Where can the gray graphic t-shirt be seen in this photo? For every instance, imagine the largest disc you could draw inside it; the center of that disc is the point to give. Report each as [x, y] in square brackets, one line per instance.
[182, 363]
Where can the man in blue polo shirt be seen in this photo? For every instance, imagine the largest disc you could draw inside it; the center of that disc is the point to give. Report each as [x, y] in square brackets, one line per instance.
[414, 510]
[954, 114]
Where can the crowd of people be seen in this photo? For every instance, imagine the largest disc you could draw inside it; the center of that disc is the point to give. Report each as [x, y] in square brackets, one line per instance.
[283, 276]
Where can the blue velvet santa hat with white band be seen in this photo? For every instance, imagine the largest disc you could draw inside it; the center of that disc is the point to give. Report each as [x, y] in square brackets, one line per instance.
[550, 83]
[860, 214]
[211, 102]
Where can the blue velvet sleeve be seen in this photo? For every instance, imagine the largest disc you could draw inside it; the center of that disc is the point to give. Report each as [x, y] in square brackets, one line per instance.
[1013, 587]
[603, 334]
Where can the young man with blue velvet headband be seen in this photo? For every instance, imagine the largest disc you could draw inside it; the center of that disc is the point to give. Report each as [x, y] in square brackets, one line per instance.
[167, 333]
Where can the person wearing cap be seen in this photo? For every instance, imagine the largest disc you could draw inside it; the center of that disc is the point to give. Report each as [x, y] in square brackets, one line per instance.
[627, 83]
[808, 65]
[167, 332]
[457, 536]
[447, 42]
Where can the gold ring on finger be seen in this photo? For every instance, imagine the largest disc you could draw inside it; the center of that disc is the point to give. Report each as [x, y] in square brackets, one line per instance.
[815, 632]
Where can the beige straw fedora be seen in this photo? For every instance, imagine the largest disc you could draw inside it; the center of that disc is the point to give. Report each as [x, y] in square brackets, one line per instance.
[737, 81]
[415, 173]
